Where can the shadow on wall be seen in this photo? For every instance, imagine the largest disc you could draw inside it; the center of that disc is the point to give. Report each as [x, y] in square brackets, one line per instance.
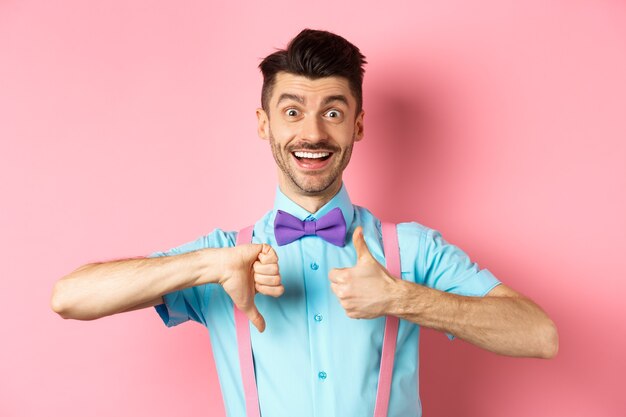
[414, 122]
[410, 120]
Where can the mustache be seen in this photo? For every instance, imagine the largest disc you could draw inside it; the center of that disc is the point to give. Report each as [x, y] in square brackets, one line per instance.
[317, 146]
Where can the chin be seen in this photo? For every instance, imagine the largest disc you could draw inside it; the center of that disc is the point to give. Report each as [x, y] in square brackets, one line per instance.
[317, 188]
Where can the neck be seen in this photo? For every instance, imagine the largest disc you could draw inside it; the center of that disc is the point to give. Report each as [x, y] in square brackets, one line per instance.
[311, 202]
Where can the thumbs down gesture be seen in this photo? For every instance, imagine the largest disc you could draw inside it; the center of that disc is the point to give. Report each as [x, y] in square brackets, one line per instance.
[247, 270]
[366, 290]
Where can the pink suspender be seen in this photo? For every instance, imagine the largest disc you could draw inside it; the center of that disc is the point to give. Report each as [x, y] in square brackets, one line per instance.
[242, 327]
[244, 344]
[392, 258]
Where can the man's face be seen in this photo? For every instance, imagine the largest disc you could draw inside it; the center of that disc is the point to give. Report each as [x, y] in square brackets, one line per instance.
[312, 126]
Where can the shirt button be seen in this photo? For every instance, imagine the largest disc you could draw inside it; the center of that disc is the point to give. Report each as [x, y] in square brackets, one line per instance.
[318, 317]
[322, 375]
[314, 266]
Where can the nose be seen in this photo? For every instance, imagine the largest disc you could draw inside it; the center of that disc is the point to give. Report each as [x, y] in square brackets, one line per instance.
[313, 129]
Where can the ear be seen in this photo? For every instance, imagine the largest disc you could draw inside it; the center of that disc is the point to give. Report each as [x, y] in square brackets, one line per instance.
[358, 126]
[263, 124]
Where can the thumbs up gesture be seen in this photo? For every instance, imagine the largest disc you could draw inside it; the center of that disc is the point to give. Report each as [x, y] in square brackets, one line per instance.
[365, 290]
[248, 269]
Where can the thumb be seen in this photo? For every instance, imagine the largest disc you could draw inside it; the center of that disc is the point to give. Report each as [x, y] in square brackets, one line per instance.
[250, 251]
[362, 251]
[255, 317]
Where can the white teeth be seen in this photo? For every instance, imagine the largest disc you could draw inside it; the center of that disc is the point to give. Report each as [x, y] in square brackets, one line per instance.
[311, 154]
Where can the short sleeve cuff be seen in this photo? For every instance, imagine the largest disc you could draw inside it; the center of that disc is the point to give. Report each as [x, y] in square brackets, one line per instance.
[171, 311]
[488, 282]
[479, 285]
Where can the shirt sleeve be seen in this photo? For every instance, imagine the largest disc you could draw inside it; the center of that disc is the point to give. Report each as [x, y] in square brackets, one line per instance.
[435, 263]
[447, 268]
[191, 303]
[429, 260]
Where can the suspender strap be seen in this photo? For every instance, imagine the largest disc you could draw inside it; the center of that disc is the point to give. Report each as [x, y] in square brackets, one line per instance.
[392, 256]
[242, 327]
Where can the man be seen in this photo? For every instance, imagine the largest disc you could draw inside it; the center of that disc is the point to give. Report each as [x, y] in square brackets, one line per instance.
[313, 353]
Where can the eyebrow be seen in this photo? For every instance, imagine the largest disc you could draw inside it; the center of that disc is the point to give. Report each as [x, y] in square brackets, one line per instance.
[341, 98]
[300, 99]
[293, 97]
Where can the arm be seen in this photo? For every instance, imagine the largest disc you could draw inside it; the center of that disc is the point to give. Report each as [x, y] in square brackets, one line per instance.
[503, 322]
[102, 289]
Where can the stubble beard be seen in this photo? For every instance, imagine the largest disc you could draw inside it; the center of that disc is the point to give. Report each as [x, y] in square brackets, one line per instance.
[313, 184]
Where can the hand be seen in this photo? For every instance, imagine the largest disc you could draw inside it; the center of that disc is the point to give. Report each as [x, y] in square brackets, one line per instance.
[266, 274]
[365, 290]
[248, 269]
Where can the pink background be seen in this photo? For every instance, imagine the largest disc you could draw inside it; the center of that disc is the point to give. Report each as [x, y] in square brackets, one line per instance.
[501, 124]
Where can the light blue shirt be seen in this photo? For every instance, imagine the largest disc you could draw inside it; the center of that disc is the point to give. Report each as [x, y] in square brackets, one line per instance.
[312, 359]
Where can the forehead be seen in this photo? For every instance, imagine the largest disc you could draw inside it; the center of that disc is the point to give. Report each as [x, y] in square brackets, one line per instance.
[312, 90]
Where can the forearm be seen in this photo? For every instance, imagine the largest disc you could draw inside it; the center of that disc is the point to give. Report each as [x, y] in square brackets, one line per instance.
[506, 324]
[101, 289]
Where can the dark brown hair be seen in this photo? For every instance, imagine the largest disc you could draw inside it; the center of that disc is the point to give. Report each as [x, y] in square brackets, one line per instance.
[315, 54]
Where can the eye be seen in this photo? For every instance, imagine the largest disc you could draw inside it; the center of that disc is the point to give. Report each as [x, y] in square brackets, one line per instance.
[291, 113]
[333, 114]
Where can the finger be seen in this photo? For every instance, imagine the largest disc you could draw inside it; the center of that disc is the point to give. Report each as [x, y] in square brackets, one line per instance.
[269, 269]
[271, 290]
[249, 251]
[271, 280]
[268, 255]
[336, 275]
[256, 248]
[255, 318]
[362, 251]
[336, 288]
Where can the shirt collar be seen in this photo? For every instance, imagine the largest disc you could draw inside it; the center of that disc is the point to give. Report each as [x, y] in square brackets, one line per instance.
[341, 200]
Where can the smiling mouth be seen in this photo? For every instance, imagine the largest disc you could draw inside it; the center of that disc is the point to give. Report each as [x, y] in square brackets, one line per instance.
[311, 156]
[312, 161]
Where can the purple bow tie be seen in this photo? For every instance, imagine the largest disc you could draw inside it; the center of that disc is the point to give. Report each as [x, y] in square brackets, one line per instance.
[331, 227]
